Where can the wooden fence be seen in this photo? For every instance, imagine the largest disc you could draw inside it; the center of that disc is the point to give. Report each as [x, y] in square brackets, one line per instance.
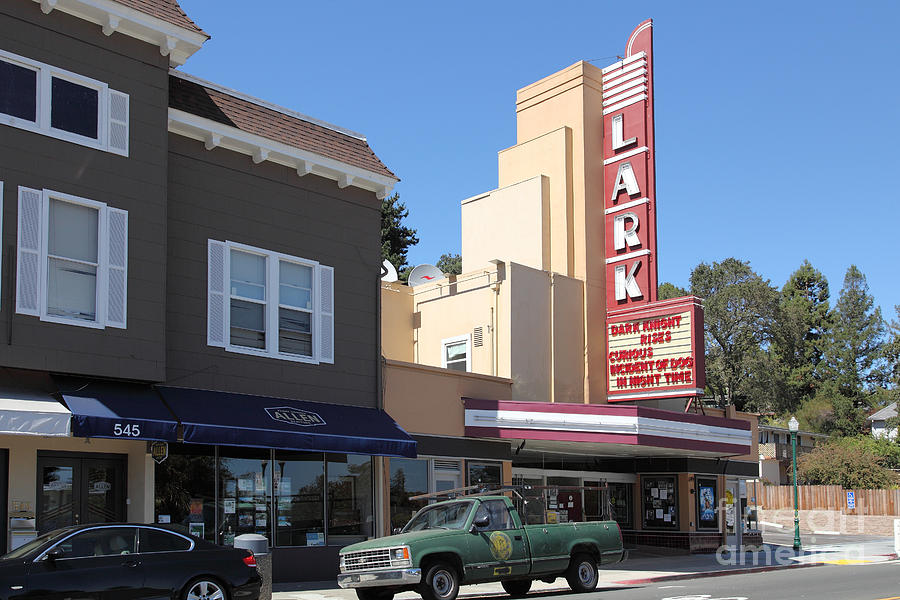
[826, 497]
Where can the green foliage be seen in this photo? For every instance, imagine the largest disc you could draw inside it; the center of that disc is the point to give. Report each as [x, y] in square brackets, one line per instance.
[855, 353]
[396, 238]
[800, 336]
[891, 352]
[852, 463]
[667, 291]
[739, 314]
[450, 264]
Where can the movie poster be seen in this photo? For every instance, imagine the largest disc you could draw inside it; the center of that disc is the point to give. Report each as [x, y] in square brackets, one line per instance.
[707, 503]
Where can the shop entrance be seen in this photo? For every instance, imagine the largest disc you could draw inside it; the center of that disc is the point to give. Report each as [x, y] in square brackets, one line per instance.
[75, 488]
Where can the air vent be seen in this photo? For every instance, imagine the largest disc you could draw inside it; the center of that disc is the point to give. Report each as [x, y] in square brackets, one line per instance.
[446, 465]
[478, 337]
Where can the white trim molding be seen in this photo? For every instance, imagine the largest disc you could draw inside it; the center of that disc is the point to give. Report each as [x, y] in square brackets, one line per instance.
[625, 155]
[178, 43]
[261, 148]
[630, 255]
[612, 424]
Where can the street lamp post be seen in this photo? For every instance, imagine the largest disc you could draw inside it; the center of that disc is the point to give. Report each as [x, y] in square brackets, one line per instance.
[793, 425]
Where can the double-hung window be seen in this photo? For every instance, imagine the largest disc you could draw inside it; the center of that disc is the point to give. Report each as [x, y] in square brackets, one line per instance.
[456, 353]
[61, 104]
[72, 259]
[270, 304]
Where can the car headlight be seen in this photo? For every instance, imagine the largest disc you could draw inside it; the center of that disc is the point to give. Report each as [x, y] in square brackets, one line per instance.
[343, 561]
[400, 557]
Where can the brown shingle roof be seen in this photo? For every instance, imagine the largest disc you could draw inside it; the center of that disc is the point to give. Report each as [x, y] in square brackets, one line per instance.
[219, 106]
[166, 10]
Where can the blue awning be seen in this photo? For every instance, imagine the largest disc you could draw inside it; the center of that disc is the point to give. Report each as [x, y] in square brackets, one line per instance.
[106, 409]
[223, 418]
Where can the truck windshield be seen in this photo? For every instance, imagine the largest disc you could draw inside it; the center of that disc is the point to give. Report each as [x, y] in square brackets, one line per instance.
[452, 515]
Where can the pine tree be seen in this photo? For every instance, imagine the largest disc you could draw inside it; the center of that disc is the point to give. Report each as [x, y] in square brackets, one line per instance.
[396, 238]
[450, 264]
[800, 335]
[855, 350]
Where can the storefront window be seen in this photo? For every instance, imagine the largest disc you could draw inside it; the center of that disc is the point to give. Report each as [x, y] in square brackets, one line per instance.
[350, 510]
[409, 477]
[185, 489]
[245, 490]
[564, 499]
[489, 475]
[660, 502]
[707, 499]
[532, 504]
[300, 501]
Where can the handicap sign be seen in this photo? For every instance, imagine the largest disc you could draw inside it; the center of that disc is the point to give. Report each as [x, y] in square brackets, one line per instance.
[851, 500]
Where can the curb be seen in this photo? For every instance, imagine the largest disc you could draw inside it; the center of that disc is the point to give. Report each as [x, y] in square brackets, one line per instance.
[704, 574]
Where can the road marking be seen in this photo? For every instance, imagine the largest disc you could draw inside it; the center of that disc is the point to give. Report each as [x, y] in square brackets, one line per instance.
[847, 561]
[891, 598]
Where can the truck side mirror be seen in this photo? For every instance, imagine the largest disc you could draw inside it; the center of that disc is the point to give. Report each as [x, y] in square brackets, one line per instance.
[482, 521]
[396, 530]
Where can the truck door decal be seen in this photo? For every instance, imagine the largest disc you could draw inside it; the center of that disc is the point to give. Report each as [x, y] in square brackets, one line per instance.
[501, 545]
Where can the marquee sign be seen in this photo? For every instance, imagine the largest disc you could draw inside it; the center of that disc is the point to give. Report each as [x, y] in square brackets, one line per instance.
[629, 174]
[653, 351]
[654, 348]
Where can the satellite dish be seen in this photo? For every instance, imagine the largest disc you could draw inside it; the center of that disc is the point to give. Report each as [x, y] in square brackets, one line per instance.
[424, 274]
[388, 272]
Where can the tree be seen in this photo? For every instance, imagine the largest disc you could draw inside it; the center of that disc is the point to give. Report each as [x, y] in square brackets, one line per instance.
[739, 311]
[450, 264]
[396, 238]
[799, 337]
[668, 290]
[855, 351]
[851, 463]
[892, 352]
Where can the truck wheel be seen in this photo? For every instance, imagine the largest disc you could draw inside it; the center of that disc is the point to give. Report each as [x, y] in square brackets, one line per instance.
[374, 594]
[517, 588]
[582, 573]
[441, 582]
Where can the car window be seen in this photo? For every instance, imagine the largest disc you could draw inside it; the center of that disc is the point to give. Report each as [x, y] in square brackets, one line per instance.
[106, 541]
[497, 513]
[156, 540]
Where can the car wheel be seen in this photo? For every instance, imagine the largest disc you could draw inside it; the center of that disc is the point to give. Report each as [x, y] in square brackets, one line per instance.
[205, 588]
[441, 583]
[517, 588]
[582, 573]
[374, 594]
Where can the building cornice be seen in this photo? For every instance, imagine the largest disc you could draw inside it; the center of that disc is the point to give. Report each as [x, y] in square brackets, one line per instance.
[260, 148]
[178, 43]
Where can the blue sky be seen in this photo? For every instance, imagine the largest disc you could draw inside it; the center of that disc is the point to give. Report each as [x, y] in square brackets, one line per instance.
[777, 123]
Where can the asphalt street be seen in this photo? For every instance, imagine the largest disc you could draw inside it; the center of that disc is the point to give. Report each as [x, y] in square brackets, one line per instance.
[834, 582]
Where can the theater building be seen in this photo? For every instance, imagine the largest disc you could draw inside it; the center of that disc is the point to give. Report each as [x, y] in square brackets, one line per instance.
[189, 298]
[549, 361]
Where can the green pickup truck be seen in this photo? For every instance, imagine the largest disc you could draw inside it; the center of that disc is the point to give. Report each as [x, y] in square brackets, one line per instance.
[476, 540]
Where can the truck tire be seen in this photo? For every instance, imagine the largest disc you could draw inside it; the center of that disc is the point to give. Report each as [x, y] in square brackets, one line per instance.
[374, 594]
[516, 588]
[582, 573]
[441, 582]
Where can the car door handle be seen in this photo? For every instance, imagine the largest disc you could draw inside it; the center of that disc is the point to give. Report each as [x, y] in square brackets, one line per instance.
[131, 563]
[518, 538]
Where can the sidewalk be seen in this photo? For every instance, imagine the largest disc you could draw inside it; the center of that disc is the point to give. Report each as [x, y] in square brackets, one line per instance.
[644, 567]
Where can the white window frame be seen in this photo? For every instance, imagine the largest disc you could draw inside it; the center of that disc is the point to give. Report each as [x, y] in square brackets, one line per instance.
[467, 338]
[102, 260]
[41, 124]
[272, 305]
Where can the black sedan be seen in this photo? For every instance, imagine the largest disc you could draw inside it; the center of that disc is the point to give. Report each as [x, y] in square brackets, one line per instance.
[127, 562]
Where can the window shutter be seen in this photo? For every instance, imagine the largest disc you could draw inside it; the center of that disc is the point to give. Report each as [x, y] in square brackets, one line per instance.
[117, 268]
[215, 313]
[28, 271]
[118, 123]
[325, 329]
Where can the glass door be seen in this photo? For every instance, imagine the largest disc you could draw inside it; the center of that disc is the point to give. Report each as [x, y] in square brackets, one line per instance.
[76, 488]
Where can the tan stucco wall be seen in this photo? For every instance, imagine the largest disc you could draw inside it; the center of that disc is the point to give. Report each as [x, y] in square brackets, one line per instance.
[397, 337]
[428, 400]
[550, 155]
[23, 451]
[450, 309]
[572, 98]
[753, 456]
[511, 223]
